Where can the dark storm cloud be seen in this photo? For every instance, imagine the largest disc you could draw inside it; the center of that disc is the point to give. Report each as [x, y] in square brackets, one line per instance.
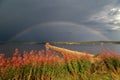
[17, 15]
[118, 2]
[12, 10]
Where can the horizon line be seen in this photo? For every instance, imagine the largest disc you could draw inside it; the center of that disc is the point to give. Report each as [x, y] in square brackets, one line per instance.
[59, 42]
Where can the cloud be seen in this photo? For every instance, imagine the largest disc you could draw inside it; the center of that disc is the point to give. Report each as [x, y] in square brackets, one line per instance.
[116, 28]
[109, 16]
[40, 9]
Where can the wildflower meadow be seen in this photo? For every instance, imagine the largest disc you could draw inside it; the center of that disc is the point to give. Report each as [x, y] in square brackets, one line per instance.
[52, 65]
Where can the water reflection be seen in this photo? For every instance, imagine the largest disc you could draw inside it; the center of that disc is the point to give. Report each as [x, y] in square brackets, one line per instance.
[8, 49]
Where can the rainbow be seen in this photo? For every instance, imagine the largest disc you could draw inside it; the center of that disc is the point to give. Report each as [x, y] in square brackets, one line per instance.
[56, 23]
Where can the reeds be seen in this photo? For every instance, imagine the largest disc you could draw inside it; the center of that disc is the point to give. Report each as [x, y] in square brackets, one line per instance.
[48, 65]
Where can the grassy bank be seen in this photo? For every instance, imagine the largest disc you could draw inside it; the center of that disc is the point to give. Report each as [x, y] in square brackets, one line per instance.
[47, 65]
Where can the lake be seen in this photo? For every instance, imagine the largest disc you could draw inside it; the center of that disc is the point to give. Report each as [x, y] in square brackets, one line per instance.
[9, 49]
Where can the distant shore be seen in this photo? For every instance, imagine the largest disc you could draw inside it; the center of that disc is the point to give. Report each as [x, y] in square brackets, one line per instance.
[86, 42]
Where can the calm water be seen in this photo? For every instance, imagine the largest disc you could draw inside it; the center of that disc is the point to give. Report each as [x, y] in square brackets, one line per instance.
[8, 49]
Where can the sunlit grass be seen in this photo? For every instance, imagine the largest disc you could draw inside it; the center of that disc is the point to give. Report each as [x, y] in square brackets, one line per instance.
[47, 65]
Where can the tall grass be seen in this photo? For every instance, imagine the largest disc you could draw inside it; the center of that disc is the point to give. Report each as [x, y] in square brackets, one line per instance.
[47, 65]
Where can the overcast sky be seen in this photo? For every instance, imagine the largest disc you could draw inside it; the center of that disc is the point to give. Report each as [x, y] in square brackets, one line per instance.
[20, 19]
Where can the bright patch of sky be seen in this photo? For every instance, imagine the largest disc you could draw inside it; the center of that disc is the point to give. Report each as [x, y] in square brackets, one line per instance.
[109, 16]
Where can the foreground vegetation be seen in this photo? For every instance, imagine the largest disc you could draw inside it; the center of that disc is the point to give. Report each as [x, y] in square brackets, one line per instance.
[49, 65]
